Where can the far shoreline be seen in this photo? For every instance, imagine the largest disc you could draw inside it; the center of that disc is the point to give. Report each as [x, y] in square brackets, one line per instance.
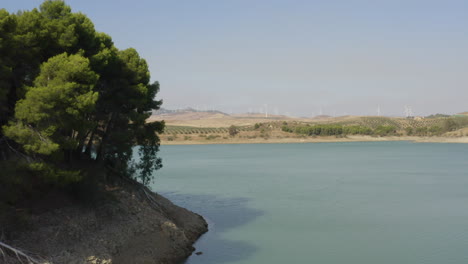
[316, 140]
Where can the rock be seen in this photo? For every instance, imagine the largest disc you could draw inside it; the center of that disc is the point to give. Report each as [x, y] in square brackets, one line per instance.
[127, 229]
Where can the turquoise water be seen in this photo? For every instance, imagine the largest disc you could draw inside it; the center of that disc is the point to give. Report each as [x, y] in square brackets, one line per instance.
[354, 203]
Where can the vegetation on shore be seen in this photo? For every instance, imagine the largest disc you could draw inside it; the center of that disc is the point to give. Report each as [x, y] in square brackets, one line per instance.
[359, 126]
[72, 107]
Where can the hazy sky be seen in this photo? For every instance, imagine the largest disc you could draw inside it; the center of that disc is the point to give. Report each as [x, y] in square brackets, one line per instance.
[346, 57]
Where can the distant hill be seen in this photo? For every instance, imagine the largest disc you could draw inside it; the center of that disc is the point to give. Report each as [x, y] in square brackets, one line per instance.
[321, 117]
[187, 114]
[261, 116]
[164, 111]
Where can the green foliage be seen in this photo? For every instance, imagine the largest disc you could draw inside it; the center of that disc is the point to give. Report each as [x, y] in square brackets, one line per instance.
[149, 162]
[437, 116]
[385, 131]
[32, 141]
[285, 128]
[319, 130]
[68, 95]
[379, 126]
[176, 130]
[421, 131]
[256, 126]
[52, 174]
[8, 25]
[409, 131]
[375, 122]
[52, 116]
[233, 130]
[328, 130]
[435, 130]
[427, 131]
[210, 137]
[357, 130]
[30, 38]
[450, 124]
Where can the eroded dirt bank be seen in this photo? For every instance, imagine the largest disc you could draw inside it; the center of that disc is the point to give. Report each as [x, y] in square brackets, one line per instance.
[133, 225]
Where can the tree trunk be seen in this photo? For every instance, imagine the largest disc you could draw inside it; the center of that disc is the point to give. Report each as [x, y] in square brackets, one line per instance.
[79, 150]
[89, 146]
[99, 154]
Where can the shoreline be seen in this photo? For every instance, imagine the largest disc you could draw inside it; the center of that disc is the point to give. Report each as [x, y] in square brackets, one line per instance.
[117, 230]
[317, 140]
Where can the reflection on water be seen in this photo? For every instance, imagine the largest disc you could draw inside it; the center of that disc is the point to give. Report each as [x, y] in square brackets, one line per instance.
[221, 214]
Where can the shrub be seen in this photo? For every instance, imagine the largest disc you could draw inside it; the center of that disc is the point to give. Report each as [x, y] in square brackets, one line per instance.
[385, 130]
[285, 128]
[233, 130]
[210, 137]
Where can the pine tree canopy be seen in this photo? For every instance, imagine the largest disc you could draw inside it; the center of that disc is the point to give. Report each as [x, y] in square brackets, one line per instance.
[68, 96]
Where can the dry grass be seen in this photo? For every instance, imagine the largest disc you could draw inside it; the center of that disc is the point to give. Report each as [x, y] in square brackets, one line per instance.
[212, 128]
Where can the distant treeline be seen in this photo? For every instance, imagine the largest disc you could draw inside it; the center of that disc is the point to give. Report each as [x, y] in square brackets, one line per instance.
[449, 124]
[338, 130]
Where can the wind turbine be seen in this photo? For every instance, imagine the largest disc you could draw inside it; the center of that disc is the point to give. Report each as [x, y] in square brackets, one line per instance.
[408, 111]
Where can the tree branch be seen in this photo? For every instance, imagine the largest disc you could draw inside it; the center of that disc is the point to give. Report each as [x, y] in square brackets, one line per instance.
[24, 156]
[20, 255]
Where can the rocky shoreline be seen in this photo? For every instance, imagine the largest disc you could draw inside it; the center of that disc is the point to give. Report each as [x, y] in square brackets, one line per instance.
[134, 225]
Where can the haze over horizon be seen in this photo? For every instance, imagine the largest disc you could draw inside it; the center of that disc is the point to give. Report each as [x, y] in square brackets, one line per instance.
[344, 57]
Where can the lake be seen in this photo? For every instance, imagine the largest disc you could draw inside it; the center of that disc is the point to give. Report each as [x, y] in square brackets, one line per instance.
[354, 203]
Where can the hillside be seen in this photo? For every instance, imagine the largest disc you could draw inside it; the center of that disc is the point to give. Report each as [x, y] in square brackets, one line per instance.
[209, 128]
[192, 118]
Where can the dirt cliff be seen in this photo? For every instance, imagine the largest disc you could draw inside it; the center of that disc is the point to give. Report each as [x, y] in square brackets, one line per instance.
[133, 225]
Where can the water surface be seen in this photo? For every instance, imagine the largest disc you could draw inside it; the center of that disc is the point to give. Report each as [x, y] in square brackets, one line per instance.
[355, 203]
